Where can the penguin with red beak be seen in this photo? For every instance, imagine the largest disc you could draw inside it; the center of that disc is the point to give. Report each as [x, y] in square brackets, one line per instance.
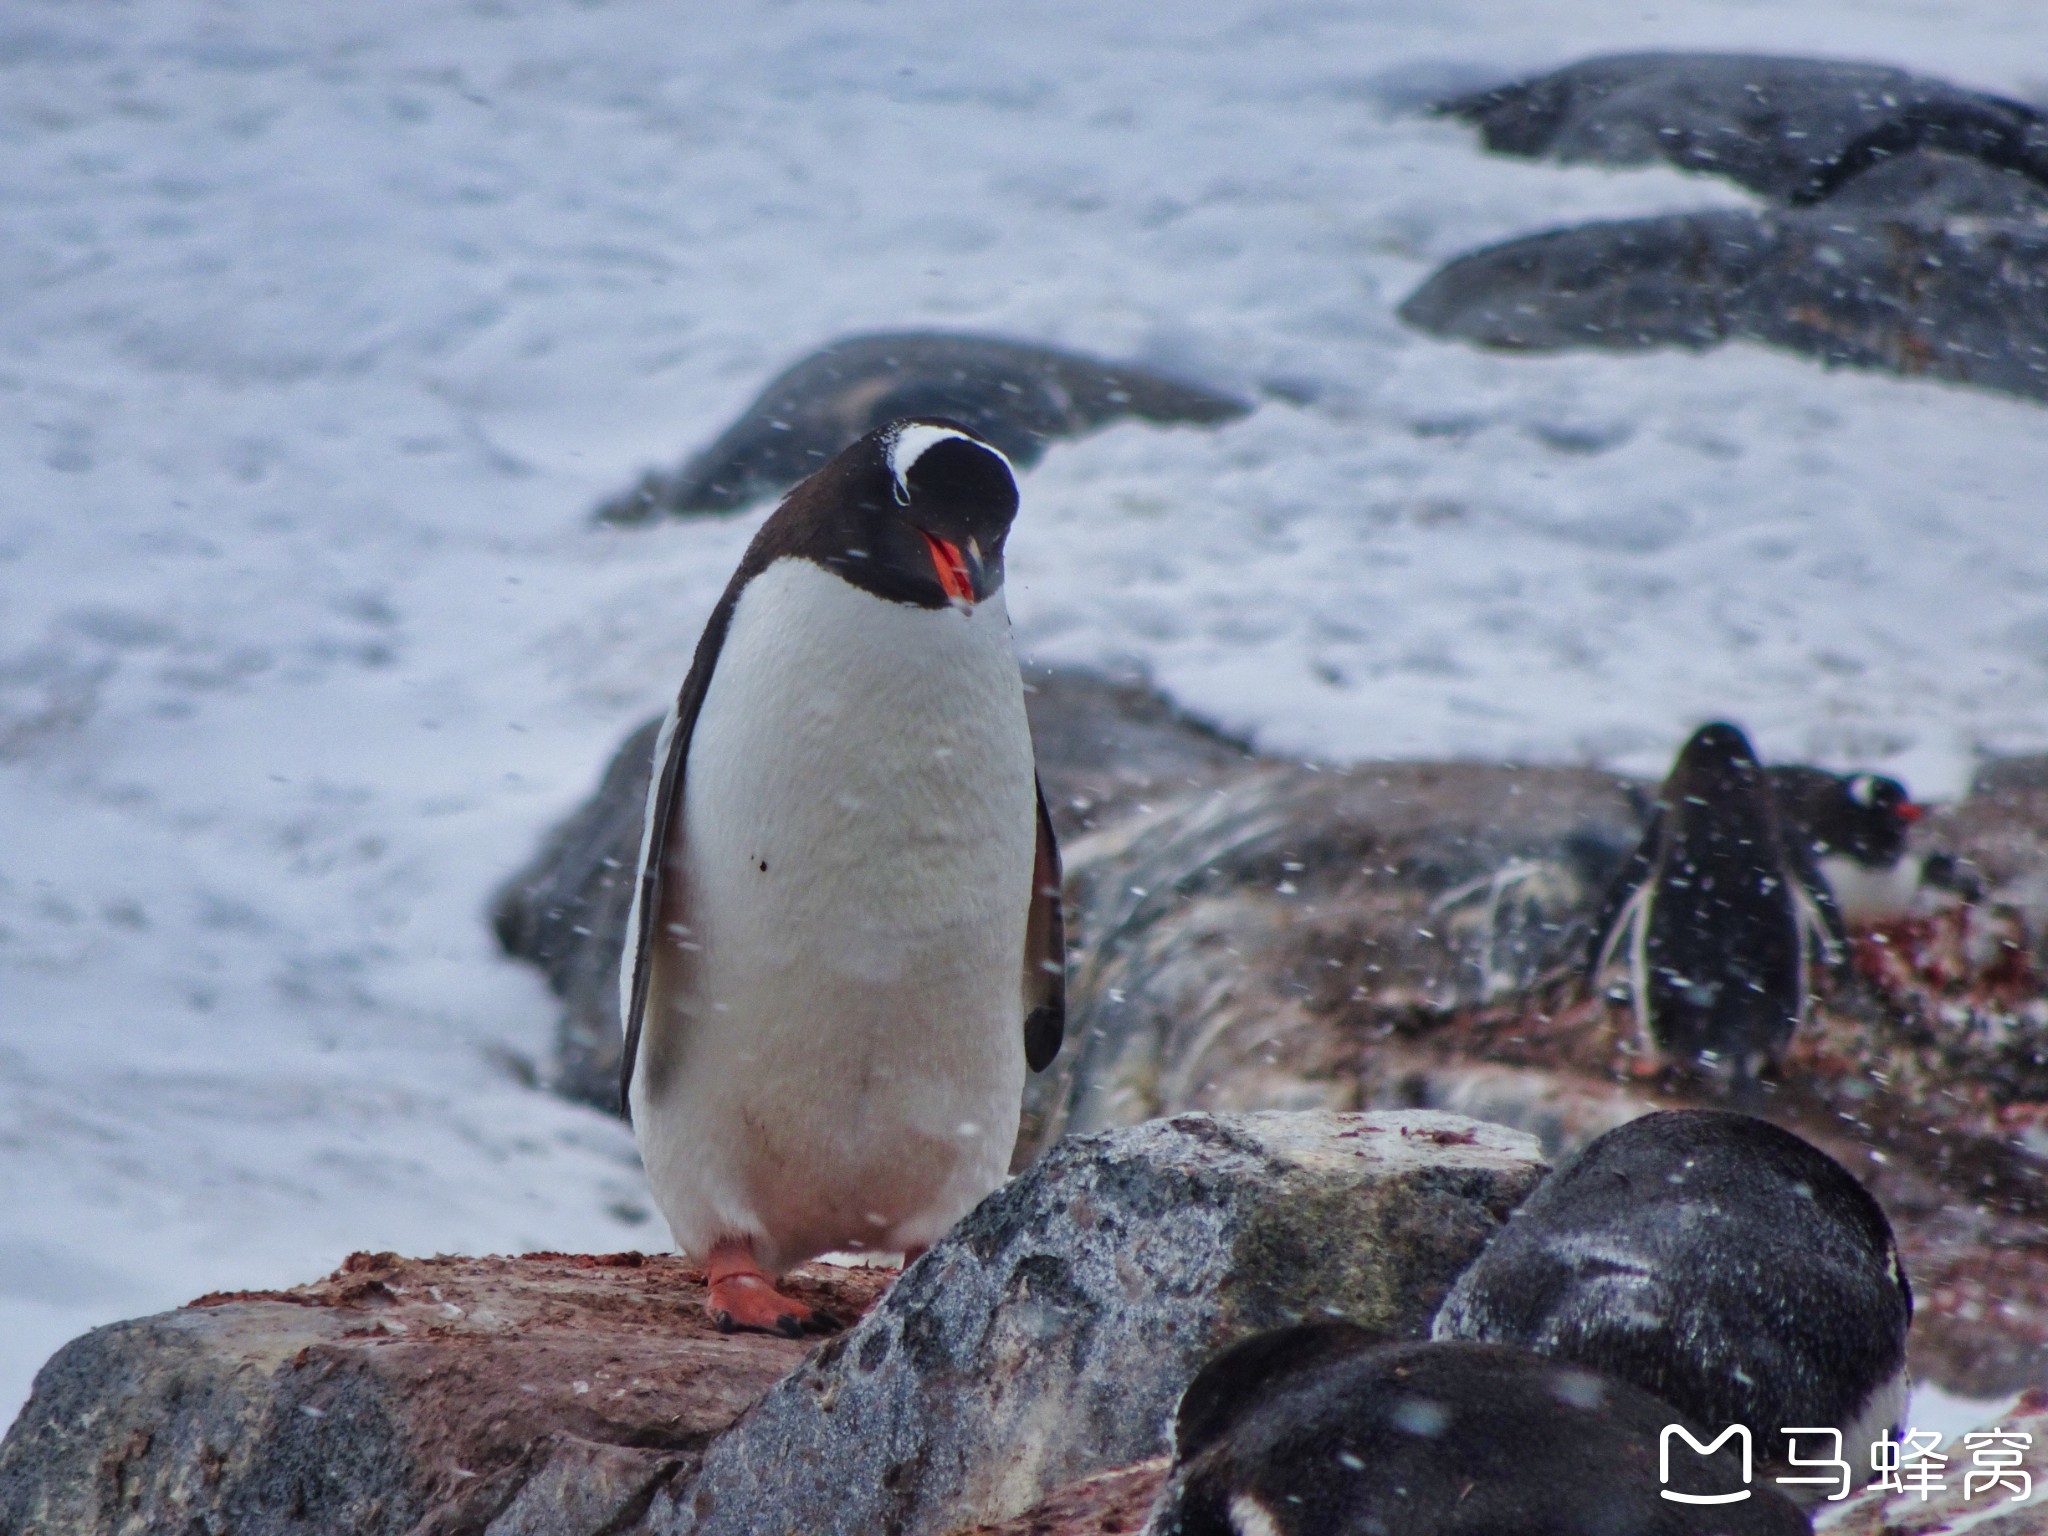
[846, 943]
[1856, 826]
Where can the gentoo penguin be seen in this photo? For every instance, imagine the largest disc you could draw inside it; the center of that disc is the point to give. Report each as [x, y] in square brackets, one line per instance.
[1323, 1430]
[1854, 825]
[846, 944]
[1711, 1258]
[1715, 922]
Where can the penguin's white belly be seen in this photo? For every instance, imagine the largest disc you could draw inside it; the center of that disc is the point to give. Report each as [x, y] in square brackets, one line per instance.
[1866, 895]
[839, 1061]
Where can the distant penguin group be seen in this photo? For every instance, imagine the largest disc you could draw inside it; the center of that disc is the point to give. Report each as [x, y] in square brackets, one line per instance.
[1687, 1273]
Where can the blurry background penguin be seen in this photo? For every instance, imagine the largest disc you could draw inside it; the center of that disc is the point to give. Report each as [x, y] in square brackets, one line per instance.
[1326, 1430]
[1713, 927]
[1856, 827]
[1722, 1263]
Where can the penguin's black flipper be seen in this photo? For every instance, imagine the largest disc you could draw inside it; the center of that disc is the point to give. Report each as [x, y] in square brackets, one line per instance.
[1045, 951]
[656, 887]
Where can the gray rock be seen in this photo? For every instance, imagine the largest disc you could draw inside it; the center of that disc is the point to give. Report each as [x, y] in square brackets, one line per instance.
[1910, 233]
[1962, 299]
[1049, 1335]
[1794, 130]
[1019, 396]
[565, 912]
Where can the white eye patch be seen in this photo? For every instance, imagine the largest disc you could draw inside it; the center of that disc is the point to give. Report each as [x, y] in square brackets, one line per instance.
[1863, 790]
[910, 444]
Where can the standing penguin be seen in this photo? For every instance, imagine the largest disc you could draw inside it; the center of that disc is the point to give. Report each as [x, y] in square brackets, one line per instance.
[846, 943]
[1715, 921]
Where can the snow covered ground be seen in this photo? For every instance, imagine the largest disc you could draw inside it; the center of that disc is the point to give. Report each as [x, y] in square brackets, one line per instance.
[328, 322]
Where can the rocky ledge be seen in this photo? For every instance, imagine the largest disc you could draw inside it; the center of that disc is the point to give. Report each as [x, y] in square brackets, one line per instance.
[1044, 1341]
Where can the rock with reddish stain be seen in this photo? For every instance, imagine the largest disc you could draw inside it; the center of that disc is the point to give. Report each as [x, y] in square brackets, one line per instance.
[553, 1395]
[1049, 1335]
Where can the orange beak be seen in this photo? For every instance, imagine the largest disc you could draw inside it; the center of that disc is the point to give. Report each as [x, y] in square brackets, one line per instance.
[952, 568]
[1910, 813]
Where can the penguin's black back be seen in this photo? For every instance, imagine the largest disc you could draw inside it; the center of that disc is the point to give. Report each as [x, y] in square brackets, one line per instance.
[1320, 1431]
[1708, 1257]
[1725, 911]
[1726, 965]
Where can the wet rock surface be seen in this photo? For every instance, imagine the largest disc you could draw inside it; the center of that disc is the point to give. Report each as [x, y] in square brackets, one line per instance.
[1019, 396]
[1223, 926]
[1048, 1336]
[1789, 129]
[539, 1396]
[1910, 231]
[1107, 1504]
[1966, 302]
[1410, 935]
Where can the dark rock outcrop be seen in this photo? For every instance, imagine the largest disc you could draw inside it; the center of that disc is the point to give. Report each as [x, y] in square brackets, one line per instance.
[1050, 1334]
[1223, 926]
[1789, 129]
[1909, 232]
[1019, 396]
[1962, 300]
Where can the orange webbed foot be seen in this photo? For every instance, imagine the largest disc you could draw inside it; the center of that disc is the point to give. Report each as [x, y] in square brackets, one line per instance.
[741, 1295]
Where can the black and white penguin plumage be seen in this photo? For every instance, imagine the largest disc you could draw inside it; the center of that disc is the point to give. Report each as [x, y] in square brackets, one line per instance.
[1855, 827]
[1711, 1258]
[1715, 923]
[1324, 1430]
[846, 943]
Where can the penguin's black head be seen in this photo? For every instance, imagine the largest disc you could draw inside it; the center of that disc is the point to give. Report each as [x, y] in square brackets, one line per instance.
[957, 492]
[915, 512]
[1861, 816]
[1716, 767]
[1875, 817]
